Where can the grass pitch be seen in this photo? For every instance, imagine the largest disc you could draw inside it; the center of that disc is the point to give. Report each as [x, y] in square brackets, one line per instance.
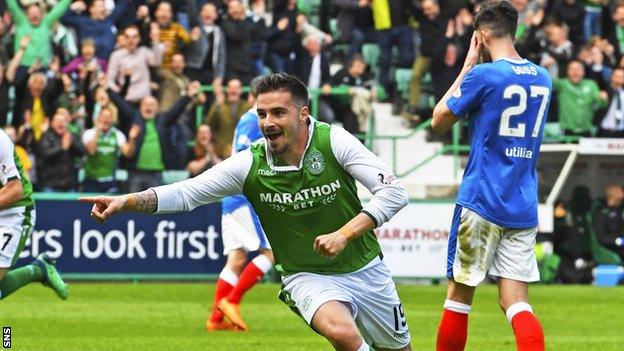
[150, 316]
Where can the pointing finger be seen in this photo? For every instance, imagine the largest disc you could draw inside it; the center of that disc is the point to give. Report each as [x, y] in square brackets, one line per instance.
[88, 199]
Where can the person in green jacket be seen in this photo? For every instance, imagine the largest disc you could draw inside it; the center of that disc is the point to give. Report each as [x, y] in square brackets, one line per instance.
[579, 98]
[35, 23]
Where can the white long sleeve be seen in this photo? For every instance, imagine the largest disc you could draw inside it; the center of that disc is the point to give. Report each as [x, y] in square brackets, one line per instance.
[389, 196]
[224, 179]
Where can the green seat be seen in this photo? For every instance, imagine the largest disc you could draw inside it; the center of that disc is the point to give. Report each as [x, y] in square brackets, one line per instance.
[333, 29]
[402, 77]
[371, 54]
[307, 6]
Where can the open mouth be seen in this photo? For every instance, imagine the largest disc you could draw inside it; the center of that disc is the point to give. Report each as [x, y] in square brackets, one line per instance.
[273, 135]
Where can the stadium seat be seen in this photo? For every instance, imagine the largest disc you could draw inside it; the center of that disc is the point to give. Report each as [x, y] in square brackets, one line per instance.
[371, 54]
[402, 77]
[334, 29]
[307, 6]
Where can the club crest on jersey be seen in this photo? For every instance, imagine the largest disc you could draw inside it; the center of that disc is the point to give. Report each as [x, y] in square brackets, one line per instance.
[314, 162]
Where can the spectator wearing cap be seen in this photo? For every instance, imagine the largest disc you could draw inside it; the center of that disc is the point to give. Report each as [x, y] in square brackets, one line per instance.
[96, 24]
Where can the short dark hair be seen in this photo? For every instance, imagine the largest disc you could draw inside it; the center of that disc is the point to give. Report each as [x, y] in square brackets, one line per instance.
[253, 84]
[283, 81]
[500, 17]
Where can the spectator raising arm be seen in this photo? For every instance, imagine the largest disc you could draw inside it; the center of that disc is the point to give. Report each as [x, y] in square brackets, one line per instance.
[155, 54]
[18, 15]
[17, 58]
[56, 13]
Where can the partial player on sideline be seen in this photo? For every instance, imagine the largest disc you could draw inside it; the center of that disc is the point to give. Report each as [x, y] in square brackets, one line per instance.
[17, 220]
[495, 221]
[301, 183]
[242, 233]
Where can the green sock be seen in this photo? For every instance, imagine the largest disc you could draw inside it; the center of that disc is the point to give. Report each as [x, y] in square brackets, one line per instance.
[18, 278]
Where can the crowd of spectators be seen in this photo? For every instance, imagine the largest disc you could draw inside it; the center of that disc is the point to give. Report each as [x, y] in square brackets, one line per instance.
[91, 87]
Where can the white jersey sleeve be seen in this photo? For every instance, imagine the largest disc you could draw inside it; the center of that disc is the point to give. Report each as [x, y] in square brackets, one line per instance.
[8, 169]
[224, 179]
[389, 196]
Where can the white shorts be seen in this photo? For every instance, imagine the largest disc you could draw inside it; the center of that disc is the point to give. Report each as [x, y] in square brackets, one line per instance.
[241, 229]
[16, 225]
[369, 293]
[478, 247]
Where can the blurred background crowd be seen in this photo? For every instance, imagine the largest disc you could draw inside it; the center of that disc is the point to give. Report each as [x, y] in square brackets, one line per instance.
[119, 95]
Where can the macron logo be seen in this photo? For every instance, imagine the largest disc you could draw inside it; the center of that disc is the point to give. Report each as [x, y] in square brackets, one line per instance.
[518, 152]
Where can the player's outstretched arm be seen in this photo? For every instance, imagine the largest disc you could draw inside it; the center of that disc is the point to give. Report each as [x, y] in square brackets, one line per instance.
[443, 119]
[106, 206]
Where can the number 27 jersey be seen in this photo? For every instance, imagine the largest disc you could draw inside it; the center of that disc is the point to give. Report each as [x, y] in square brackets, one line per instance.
[506, 103]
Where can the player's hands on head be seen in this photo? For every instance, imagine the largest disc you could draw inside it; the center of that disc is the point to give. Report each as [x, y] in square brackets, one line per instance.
[330, 245]
[104, 206]
[474, 53]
